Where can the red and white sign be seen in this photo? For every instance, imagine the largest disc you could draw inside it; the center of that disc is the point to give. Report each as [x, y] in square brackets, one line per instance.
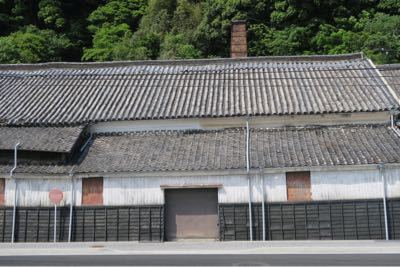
[56, 195]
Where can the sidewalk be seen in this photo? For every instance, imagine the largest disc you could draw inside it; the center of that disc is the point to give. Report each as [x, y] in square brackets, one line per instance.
[200, 247]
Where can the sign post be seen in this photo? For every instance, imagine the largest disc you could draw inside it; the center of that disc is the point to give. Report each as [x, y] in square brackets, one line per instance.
[55, 195]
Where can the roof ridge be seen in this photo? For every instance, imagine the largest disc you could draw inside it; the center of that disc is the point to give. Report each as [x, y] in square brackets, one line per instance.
[316, 127]
[393, 66]
[204, 61]
[234, 129]
[168, 131]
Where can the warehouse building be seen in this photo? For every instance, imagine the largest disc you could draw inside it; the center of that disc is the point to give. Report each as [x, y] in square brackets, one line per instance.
[266, 148]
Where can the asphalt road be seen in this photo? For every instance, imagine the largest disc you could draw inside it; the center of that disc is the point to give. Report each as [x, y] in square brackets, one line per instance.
[205, 260]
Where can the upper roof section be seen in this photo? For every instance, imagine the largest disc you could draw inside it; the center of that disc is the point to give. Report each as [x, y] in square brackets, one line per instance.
[391, 72]
[49, 139]
[77, 93]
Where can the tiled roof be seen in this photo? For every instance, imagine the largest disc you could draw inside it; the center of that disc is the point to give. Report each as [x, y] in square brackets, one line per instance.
[324, 146]
[162, 151]
[391, 72]
[225, 149]
[51, 169]
[51, 139]
[70, 94]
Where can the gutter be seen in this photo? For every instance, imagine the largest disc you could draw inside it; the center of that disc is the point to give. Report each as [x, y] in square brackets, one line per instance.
[248, 176]
[263, 203]
[392, 92]
[15, 192]
[382, 172]
[393, 126]
[71, 205]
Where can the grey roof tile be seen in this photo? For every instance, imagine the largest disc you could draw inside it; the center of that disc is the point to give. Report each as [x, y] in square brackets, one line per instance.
[391, 72]
[69, 94]
[225, 149]
[51, 139]
[51, 169]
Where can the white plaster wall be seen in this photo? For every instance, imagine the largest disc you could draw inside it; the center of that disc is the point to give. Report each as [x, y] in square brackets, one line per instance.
[335, 185]
[35, 192]
[274, 188]
[148, 191]
[257, 121]
[325, 185]
[392, 182]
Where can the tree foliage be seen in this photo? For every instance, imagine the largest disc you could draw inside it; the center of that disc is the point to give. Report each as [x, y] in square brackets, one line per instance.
[101, 30]
[32, 45]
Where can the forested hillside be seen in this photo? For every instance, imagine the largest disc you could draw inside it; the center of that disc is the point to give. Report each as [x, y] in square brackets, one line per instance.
[99, 30]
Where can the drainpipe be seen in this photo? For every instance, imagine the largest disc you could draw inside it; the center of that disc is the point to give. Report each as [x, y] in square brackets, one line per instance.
[382, 172]
[248, 175]
[15, 191]
[263, 203]
[394, 127]
[71, 205]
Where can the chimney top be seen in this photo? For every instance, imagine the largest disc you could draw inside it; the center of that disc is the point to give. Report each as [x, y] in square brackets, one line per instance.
[238, 39]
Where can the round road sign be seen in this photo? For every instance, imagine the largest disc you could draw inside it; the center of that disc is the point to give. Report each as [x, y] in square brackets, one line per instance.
[56, 195]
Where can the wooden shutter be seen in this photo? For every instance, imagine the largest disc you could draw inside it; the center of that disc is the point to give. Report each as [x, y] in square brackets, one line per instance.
[298, 186]
[92, 191]
[2, 191]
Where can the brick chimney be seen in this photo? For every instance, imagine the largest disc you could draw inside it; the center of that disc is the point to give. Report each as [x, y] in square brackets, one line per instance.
[238, 39]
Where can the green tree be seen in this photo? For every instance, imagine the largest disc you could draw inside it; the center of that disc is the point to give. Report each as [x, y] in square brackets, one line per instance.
[177, 47]
[110, 43]
[382, 38]
[116, 12]
[31, 45]
[152, 28]
[51, 14]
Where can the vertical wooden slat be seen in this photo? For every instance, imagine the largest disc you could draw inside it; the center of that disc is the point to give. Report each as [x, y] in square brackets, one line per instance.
[117, 224]
[129, 223]
[4, 225]
[2, 191]
[48, 225]
[94, 225]
[139, 224]
[106, 223]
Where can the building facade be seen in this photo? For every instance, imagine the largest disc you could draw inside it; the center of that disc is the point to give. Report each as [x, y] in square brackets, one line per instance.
[267, 148]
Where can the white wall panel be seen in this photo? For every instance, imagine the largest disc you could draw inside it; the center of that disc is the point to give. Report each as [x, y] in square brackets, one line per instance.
[357, 184]
[393, 182]
[274, 188]
[334, 185]
[147, 190]
[258, 121]
[325, 185]
[35, 192]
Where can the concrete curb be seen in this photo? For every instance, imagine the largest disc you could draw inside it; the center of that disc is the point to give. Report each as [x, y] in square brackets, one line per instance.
[185, 248]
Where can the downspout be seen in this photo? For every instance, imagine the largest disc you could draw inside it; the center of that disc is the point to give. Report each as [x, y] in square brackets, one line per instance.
[393, 126]
[263, 202]
[382, 172]
[71, 205]
[248, 175]
[15, 192]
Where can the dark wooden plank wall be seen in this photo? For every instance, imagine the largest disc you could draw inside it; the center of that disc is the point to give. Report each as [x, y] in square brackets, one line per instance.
[332, 220]
[125, 223]
[358, 219]
[90, 223]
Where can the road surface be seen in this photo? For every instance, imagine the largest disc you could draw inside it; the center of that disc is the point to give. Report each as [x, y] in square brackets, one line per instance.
[206, 260]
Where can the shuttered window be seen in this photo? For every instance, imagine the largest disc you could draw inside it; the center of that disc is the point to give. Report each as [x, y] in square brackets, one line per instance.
[92, 191]
[2, 191]
[298, 186]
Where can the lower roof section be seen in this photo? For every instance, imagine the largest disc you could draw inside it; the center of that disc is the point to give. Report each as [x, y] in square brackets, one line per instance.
[50, 169]
[226, 150]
